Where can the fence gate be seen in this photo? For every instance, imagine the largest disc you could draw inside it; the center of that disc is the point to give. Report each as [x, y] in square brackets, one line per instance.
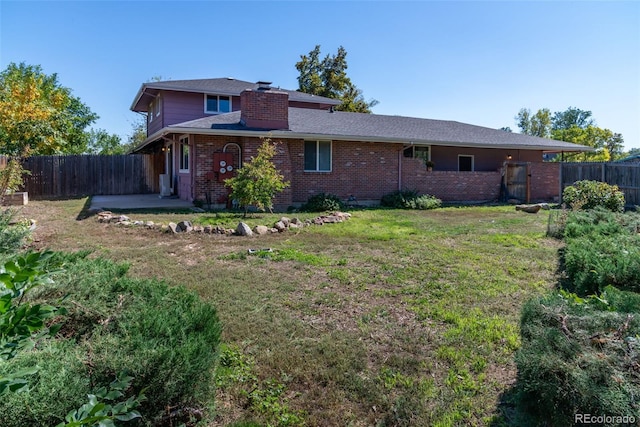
[517, 181]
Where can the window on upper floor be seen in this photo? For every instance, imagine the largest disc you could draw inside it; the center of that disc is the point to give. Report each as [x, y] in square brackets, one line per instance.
[184, 154]
[418, 152]
[157, 106]
[214, 104]
[317, 156]
[150, 114]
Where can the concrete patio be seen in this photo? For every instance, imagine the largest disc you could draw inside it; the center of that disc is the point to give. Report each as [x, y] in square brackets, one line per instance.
[137, 201]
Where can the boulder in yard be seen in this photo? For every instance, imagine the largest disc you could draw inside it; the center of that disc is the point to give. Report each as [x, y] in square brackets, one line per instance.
[528, 208]
[243, 230]
[261, 229]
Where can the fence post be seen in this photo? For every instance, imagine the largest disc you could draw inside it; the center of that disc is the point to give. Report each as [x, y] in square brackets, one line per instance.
[561, 181]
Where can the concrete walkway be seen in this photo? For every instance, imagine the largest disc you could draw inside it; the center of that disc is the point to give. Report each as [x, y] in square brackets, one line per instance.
[137, 201]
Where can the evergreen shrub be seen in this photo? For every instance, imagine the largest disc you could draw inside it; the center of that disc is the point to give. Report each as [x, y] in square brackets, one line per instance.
[323, 202]
[578, 357]
[165, 337]
[410, 199]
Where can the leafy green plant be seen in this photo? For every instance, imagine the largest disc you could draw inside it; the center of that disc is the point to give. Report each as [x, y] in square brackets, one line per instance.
[410, 199]
[258, 181]
[12, 234]
[22, 324]
[323, 202]
[103, 407]
[590, 194]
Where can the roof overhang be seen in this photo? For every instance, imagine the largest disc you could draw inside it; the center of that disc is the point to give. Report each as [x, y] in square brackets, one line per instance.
[284, 134]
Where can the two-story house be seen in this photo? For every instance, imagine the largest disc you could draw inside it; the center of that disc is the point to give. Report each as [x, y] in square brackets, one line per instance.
[205, 129]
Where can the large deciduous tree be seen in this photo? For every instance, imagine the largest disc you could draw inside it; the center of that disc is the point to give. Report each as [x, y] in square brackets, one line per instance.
[538, 124]
[37, 116]
[328, 77]
[101, 142]
[573, 125]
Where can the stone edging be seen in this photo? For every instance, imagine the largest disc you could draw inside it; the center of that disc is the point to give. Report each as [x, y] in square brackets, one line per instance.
[242, 229]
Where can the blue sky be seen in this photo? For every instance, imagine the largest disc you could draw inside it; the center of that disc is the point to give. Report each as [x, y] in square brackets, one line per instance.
[474, 62]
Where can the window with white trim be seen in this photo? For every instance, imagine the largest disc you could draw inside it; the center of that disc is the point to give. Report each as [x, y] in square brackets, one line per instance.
[418, 152]
[465, 163]
[184, 154]
[150, 111]
[214, 104]
[157, 106]
[317, 156]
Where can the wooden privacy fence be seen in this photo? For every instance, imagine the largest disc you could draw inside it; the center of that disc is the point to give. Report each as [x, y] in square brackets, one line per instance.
[625, 175]
[82, 175]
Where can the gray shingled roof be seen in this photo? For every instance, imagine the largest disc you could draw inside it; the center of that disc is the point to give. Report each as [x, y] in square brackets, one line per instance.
[221, 86]
[322, 124]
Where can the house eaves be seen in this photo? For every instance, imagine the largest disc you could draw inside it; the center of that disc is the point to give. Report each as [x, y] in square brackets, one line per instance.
[220, 86]
[285, 134]
[344, 126]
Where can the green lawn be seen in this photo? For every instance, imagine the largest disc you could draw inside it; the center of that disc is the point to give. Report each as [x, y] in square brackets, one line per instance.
[391, 318]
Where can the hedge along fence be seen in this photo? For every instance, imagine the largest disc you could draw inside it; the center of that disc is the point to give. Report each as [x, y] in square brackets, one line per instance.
[625, 175]
[82, 175]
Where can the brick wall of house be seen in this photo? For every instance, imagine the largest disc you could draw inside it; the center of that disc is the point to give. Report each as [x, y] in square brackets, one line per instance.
[450, 186]
[204, 179]
[364, 170]
[544, 181]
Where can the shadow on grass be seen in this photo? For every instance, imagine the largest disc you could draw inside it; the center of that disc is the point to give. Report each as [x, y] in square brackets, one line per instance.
[510, 414]
[85, 212]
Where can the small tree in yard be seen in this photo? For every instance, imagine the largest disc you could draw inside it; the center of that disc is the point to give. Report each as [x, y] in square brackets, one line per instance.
[258, 181]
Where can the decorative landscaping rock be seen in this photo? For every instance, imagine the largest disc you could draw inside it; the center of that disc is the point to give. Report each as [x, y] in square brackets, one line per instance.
[243, 230]
[286, 221]
[260, 229]
[528, 208]
[185, 226]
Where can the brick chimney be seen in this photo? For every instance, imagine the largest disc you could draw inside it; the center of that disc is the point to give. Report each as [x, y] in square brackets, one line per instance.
[264, 108]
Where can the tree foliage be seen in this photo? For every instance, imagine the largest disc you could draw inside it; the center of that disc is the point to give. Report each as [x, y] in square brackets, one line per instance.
[576, 126]
[101, 142]
[38, 115]
[538, 124]
[138, 133]
[328, 77]
[258, 181]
